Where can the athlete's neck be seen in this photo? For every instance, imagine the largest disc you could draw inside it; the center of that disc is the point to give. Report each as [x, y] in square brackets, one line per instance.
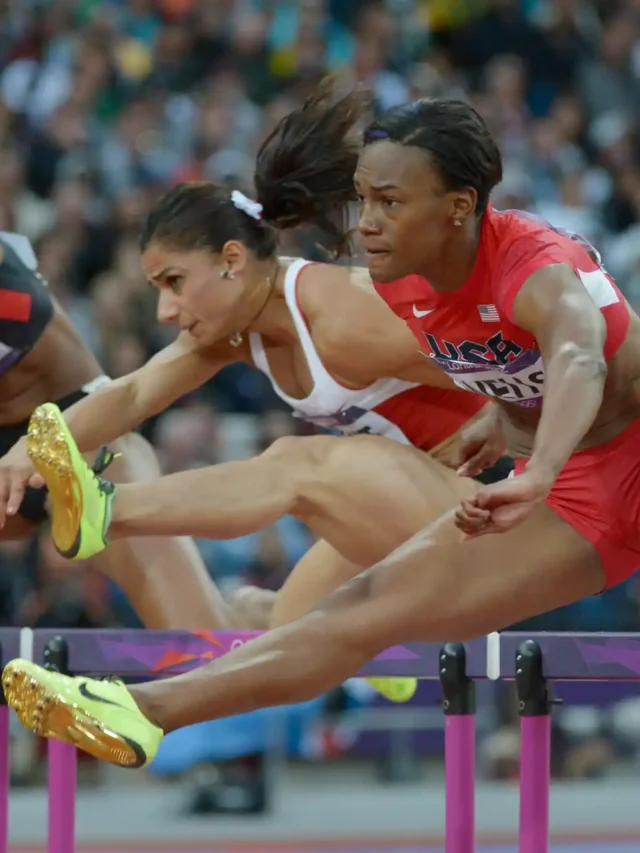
[275, 321]
[453, 267]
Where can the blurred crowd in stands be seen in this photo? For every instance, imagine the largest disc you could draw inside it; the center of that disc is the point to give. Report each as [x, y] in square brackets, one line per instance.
[106, 103]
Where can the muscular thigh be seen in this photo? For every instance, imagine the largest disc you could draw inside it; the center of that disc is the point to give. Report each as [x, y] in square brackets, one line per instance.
[437, 587]
[369, 494]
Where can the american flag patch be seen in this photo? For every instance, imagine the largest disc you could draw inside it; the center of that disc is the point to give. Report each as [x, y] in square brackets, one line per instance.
[488, 313]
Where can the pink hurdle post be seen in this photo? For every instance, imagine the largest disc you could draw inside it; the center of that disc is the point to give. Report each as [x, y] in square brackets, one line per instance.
[458, 692]
[5, 780]
[535, 702]
[62, 770]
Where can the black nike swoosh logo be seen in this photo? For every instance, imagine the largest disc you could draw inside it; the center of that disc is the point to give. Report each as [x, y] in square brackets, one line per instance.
[93, 697]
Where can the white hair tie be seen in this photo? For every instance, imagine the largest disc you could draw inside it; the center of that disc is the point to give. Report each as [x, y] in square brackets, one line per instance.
[246, 205]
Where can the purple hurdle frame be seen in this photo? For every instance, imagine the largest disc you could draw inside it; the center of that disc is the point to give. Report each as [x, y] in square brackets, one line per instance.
[144, 654]
[534, 660]
[147, 654]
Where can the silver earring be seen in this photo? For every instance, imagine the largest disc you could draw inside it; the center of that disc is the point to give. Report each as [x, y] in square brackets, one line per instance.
[457, 223]
[236, 339]
[226, 274]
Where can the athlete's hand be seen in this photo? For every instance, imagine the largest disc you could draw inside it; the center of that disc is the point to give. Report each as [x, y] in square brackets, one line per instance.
[502, 506]
[481, 444]
[16, 473]
[471, 519]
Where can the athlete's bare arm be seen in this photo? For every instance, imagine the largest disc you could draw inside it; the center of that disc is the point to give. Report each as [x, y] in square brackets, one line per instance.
[555, 307]
[125, 403]
[358, 336]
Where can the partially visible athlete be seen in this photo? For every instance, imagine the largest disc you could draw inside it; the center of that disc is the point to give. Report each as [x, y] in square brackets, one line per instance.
[43, 358]
[568, 521]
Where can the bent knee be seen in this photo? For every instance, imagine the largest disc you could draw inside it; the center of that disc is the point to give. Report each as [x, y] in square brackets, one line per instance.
[310, 449]
[320, 461]
[138, 461]
[302, 463]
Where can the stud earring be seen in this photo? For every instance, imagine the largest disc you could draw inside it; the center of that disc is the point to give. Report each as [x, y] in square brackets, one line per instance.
[236, 339]
[457, 223]
[226, 274]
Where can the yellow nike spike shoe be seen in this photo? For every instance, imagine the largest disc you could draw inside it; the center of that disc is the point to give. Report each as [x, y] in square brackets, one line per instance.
[80, 499]
[395, 689]
[96, 715]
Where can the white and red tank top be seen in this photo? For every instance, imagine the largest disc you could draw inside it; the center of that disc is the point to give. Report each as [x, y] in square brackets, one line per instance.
[403, 411]
[470, 333]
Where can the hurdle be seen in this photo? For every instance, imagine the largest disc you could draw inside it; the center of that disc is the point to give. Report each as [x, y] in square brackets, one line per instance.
[533, 661]
[9, 646]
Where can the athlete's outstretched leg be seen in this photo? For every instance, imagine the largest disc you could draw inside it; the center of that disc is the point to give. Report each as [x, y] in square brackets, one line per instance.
[164, 578]
[364, 495]
[217, 502]
[433, 588]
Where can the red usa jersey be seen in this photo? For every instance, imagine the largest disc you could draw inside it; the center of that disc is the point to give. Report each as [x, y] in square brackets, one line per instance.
[471, 332]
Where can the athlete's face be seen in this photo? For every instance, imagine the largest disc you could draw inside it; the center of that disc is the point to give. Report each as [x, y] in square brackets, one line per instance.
[192, 293]
[406, 214]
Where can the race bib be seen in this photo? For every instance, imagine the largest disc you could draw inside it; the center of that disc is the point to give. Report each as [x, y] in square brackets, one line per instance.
[520, 381]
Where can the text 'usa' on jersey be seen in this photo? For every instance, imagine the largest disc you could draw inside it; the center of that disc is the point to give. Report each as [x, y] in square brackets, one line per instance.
[471, 334]
[26, 307]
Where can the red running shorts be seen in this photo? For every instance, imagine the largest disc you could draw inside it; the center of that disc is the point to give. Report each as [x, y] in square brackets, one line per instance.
[598, 494]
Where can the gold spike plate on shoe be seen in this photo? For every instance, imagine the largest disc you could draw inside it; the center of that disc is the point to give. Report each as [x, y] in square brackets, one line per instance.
[47, 713]
[48, 450]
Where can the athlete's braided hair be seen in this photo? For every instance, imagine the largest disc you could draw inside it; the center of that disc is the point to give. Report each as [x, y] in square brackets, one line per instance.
[455, 137]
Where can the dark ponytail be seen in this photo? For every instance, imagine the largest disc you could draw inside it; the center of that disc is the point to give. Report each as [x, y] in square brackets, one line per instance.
[305, 167]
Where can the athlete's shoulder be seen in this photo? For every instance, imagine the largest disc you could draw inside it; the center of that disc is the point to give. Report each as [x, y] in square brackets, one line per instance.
[334, 291]
[350, 324]
[518, 245]
[316, 285]
[516, 235]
